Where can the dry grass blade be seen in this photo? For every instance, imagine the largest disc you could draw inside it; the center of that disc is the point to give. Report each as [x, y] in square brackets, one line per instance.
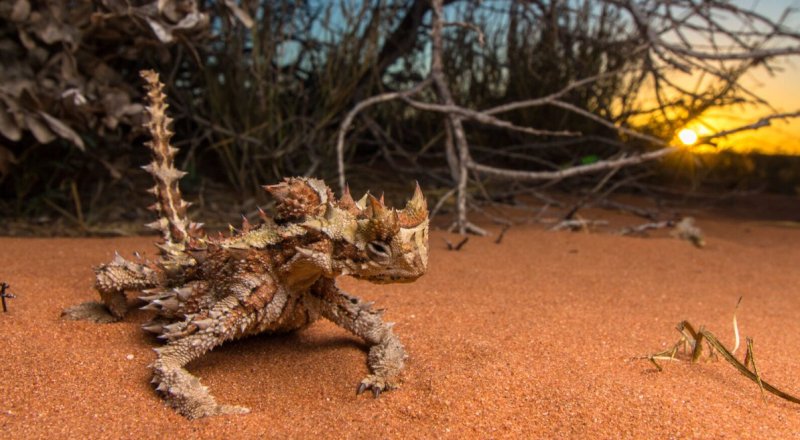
[76, 199]
[696, 339]
[750, 356]
[736, 326]
[68, 215]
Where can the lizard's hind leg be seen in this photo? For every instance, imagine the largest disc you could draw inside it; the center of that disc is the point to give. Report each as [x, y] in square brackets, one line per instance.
[111, 281]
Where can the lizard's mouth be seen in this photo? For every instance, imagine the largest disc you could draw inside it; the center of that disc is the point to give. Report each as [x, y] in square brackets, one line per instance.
[391, 278]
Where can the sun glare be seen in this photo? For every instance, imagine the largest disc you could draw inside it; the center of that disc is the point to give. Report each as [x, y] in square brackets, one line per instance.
[687, 136]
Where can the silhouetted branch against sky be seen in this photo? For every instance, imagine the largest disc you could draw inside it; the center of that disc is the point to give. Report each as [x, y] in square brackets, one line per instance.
[716, 39]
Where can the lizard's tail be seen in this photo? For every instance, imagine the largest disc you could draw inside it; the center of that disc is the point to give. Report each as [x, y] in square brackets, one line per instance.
[174, 225]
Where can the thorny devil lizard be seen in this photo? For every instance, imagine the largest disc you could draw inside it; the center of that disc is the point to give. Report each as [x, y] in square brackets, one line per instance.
[275, 277]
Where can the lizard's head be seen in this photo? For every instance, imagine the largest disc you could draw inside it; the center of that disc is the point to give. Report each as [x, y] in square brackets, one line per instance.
[393, 244]
[373, 242]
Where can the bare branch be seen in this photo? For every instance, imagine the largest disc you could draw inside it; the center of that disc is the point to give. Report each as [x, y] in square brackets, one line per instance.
[641, 229]
[668, 31]
[484, 118]
[761, 123]
[470, 26]
[572, 171]
[442, 89]
[348, 120]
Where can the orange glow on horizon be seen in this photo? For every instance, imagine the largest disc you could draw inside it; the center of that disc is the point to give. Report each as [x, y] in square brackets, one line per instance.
[780, 137]
[781, 88]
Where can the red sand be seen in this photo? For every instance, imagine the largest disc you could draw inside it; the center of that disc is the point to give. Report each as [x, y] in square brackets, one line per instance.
[530, 338]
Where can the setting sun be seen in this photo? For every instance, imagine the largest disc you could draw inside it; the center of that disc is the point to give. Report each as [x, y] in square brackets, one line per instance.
[687, 136]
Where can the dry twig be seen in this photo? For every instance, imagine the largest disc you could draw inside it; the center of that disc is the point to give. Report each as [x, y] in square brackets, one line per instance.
[502, 234]
[577, 224]
[5, 295]
[457, 246]
[643, 228]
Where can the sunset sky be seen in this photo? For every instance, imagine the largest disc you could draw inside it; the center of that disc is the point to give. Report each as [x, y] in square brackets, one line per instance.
[782, 90]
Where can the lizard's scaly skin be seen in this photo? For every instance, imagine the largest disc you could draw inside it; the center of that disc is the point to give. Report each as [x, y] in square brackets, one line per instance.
[275, 277]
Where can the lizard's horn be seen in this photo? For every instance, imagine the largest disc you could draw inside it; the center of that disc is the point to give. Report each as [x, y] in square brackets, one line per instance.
[416, 210]
[346, 201]
[362, 202]
[376, 208]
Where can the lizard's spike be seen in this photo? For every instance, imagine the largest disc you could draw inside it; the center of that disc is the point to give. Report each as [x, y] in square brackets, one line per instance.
[150, 306]
[347, 203]
[172, 328]
[157, 225]
[169, 303]
[246, 226]
[362, 202]
[199, 255]
[173, 222]
[416, 210]
[183, 293]
[203, 324]
[153, 327]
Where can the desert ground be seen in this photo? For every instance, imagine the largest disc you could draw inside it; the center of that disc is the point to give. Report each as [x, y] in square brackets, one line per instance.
[538, 336]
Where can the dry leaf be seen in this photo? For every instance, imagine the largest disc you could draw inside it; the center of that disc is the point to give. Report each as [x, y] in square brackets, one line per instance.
[63, 130]
[15, 87]
[75, 96]
[51, 32]
[20, 11]
[190, 21]
[240, 13]
[173, 10]
[8, 127]
[39, 129]
[26, 39]
[161, 32]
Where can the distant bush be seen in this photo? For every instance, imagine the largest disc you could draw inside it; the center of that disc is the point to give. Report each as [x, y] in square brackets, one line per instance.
[258, 89]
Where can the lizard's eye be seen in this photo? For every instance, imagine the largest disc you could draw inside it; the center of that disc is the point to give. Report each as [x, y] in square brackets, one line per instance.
[379, 249]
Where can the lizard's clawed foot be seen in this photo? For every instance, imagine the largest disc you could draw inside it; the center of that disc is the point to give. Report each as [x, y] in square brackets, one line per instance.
[200, 411]
[221, 410]
[89, 311]
[189, 397]
[375, 383]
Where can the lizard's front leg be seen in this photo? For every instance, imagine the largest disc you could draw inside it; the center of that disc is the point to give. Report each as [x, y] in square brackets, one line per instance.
[386, 354]
[181, 389]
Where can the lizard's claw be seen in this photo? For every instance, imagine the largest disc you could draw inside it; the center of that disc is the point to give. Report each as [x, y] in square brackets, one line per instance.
[233, 409]
[212, 410]
[89, 311]
[375, 383]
